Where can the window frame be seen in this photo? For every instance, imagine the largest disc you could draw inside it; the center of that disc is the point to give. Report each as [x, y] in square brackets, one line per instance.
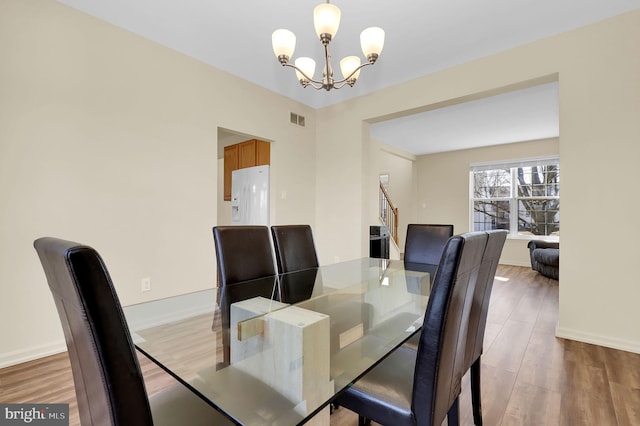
[513, 198]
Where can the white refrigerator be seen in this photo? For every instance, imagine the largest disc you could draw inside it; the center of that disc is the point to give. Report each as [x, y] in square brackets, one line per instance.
[250, 196]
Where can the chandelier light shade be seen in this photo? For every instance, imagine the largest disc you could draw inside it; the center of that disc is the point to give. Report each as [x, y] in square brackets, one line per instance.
[372, 41]
[350, 67]
[284, 43]
[305, 68]
[326, 20]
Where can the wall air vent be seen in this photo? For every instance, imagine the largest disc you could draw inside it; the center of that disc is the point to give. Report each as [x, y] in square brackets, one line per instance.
[296, 119]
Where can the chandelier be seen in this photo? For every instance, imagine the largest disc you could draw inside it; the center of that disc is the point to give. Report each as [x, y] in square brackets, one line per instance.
[326, 19]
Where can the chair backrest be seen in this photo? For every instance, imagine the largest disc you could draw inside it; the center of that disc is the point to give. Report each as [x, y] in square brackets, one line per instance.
[298, 285]
[482, 295]
[243, 253]
[424, 242]
[108, 380]
[440, 354]
[294, 247]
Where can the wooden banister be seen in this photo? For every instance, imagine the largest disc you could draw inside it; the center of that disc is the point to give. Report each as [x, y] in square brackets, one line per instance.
[388, 213]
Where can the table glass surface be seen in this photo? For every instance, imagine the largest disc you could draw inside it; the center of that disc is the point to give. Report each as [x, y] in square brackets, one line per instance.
[277, 350]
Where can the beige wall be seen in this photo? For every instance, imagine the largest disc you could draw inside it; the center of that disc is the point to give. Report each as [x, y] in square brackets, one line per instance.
[597, 67]
[340, 160]
[111, 140]
[443, 187]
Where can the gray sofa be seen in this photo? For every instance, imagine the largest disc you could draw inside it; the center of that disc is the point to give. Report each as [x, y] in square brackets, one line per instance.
[545, 258]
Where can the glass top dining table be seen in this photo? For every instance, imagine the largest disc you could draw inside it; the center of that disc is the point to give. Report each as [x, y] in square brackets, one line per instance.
[277, 350]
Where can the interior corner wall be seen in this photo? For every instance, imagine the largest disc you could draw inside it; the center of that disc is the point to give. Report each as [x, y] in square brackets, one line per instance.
[597, 67]
[109, 139]
[339, 165]
[443, 187]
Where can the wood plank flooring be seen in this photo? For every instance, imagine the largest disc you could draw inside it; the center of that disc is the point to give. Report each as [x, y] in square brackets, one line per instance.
[530, 377]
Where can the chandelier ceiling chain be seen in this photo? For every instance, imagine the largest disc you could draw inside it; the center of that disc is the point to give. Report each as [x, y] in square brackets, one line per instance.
[326, 19]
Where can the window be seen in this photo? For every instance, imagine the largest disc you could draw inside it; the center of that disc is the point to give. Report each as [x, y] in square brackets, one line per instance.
[522, 197]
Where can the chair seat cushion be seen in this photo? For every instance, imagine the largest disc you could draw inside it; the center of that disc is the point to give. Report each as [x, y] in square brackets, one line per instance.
[384, 393]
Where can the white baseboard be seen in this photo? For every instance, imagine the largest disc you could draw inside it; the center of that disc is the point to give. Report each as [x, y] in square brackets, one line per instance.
[8, 359]
[598, 339]
[512, 262]
[139, 317]
[163, 311]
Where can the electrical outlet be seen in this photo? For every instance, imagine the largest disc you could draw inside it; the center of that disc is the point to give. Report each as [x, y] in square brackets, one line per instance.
[145, 284]
[336, 259]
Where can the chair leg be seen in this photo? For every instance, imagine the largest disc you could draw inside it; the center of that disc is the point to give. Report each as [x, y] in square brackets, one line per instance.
[363, 421]
[453, 416]
[475, 393]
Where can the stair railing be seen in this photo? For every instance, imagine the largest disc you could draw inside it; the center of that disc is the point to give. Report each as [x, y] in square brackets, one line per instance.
[388, 213]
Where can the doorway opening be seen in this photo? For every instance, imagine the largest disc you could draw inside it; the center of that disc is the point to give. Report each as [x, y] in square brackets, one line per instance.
[237, 150]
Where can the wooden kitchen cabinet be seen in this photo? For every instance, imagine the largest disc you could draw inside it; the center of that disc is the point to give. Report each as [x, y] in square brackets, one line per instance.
[245, 154]
[230, 164]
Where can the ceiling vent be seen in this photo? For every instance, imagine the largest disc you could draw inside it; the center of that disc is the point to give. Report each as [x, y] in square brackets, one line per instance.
[296, 119]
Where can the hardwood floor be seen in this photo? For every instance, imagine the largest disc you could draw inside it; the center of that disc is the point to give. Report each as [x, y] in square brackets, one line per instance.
[529, 377]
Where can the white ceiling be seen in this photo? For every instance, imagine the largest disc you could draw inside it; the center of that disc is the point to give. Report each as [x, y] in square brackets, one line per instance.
[421, 37]
[521, 115]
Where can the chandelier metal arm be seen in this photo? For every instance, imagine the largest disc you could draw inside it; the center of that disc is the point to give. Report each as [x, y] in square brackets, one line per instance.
[308, 81]
[327, 82]
[346, 80]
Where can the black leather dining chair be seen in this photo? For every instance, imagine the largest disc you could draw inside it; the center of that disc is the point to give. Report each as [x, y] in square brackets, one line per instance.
[478, 315]
[422, 387]
[425, 242]
[299, 285]
[108, 381]
[294, 247]
[243, 253]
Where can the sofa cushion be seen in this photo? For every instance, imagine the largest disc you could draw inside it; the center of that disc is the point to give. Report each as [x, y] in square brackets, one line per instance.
[547, 256]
